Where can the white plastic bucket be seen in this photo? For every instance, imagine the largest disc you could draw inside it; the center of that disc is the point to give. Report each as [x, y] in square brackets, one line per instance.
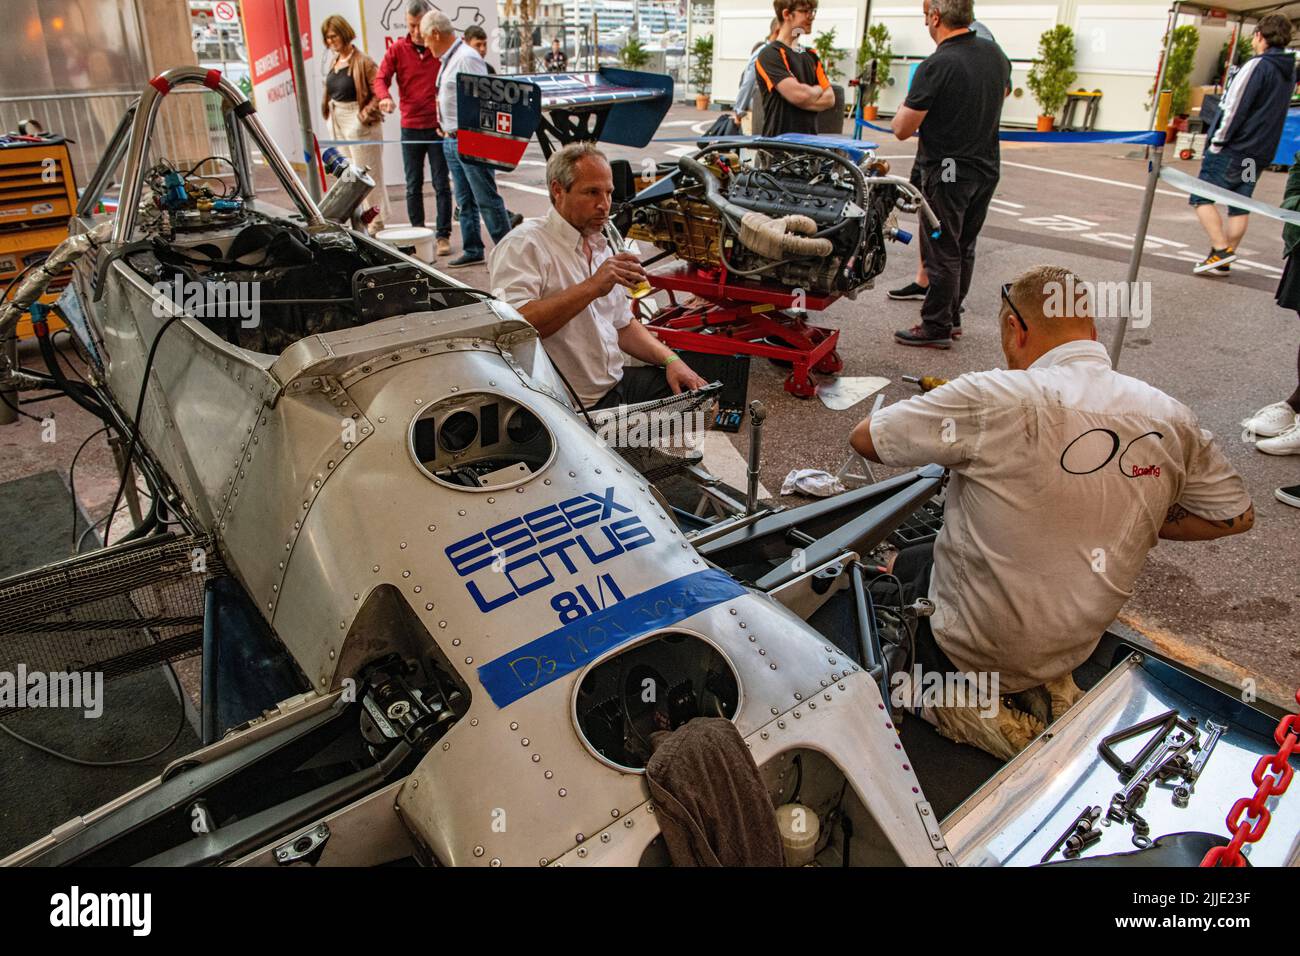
[415, 241]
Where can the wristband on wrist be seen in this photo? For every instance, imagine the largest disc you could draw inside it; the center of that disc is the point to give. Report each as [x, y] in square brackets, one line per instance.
[674, 357]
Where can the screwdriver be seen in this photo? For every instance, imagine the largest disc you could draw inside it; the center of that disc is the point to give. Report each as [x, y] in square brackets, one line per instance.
[925, 382]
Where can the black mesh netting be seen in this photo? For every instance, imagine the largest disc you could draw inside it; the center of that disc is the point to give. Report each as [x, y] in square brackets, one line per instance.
[117, 611]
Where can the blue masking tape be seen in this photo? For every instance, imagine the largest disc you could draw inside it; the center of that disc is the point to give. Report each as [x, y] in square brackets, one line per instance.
[531, 667]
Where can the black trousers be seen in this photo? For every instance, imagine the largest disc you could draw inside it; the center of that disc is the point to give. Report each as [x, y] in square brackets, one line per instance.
[950, 259]
[912, 567]
[413, 160]
[640, 383]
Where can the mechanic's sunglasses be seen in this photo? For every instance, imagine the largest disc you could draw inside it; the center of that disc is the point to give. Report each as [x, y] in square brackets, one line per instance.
[1006, 295]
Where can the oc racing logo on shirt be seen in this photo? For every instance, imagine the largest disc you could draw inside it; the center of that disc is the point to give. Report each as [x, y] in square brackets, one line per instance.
[535, 549]
[1098, 447]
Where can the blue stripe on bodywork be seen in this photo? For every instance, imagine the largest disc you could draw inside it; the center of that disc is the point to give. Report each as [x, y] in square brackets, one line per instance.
[548, 658]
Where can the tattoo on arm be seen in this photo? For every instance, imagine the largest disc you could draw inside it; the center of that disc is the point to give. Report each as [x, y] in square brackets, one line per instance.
[1175, 514]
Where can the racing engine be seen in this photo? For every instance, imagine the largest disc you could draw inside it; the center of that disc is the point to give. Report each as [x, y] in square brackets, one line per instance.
[797, 216]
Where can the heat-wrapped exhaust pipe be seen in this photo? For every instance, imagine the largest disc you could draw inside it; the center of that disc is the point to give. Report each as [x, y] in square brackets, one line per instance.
[32, 288]
[770, 238]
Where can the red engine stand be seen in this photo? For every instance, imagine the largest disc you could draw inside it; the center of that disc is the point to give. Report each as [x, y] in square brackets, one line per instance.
[736, 318]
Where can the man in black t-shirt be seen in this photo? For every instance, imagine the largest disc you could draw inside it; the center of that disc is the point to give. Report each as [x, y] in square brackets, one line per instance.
[955, 101]
[795, 87]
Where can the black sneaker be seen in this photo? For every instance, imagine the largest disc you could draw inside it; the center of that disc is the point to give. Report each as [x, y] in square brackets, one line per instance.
[913, 290]
[1216, 263]
[1289, 495]
[464, 259]
[918, 336]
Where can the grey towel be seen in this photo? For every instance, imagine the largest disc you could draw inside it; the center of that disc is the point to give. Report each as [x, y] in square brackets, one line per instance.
[712, 807]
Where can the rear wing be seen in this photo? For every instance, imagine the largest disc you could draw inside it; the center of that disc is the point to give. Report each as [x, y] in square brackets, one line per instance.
[498, 115]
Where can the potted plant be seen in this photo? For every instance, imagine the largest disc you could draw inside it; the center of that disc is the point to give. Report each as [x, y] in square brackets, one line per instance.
[702, 70]
[875, 47]
[634, 54]
[1052, 73]
[828, 53]
[1178, 72]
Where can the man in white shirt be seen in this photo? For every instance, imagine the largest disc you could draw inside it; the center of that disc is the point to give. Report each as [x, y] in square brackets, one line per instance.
[1063, 475]
[475, 185]
[560, 272]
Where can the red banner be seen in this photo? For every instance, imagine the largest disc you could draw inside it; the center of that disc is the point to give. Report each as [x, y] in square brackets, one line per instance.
[267, 31]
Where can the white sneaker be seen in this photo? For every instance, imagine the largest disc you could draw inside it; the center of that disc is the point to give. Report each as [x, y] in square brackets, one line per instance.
[1271, 420]
[1287, 443]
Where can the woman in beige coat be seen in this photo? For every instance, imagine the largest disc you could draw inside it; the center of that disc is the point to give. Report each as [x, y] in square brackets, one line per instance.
[350, 106]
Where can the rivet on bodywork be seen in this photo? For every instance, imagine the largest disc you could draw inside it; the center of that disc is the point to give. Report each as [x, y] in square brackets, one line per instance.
[342, 625]
[582, 851]
[812, 705]
[604, 838]
[406, 574]
[473, 721]
[628, 822]
[548, 775]
[418, 589]
[446, 745]
[433, 527]
[461, 512]
[514, 725]
[775, 711]
[469, 660]
[442, 623]
[331, 655]
[773, 666]
[402, 545]
[798, 696]
[743, 624]
[797, 715]
[329, 464]
[841, 687]
[492, 501]
[764, 735]
[478, 851]
[781, 724]
[429, 606]
[537, 758]
[455, 641]
[375, 569]
[496, 861]
[524, 741]
[762, 652]
[826, 696]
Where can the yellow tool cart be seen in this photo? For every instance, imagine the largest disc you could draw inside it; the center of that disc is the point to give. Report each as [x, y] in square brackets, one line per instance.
[38, 195]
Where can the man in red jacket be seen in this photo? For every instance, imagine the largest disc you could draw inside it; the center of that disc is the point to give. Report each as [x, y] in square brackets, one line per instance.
[416, 70]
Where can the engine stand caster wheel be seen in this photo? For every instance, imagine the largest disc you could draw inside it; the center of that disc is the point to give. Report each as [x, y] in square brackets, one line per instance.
[800, 387]
[832, 364]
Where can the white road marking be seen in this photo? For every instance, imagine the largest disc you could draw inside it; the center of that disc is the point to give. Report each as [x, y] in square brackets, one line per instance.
[537, 190]
[723, 460]
[1259, 265]
[1091, 179]
[1007, 202]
